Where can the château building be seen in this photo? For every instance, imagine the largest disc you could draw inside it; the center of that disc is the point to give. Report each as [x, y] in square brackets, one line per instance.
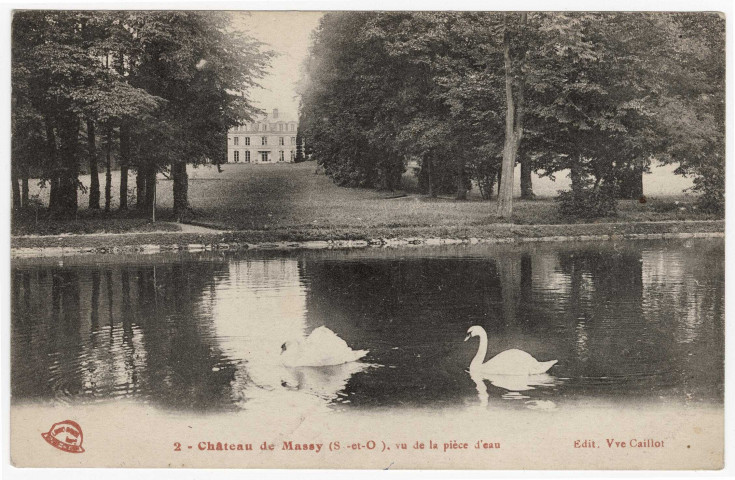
[268, 139]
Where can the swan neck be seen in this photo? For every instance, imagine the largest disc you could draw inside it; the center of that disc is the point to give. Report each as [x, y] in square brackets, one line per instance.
[481, 351]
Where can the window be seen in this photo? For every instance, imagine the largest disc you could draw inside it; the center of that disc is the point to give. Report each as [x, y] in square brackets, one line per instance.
[236, 140]
[265, 127]
[236, 156]
[280, 127]
[293, 127]
[293, 156]
[280, 141]
[293, 140]
[264, 140]
[264, 156]
[247, 156]
[247, 140]
[280, 156]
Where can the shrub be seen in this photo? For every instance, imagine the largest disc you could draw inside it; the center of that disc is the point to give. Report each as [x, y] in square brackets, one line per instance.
[710, 184]
[665, 206]
[484, 171]
[588, 202]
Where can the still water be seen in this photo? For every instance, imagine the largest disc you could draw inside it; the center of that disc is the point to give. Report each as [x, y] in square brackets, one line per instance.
[638, 320]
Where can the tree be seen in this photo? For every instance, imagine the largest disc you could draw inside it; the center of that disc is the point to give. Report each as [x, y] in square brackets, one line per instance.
[691, 118]
[201, 69]
[299, 147]
[514, 105]
[615, 85]
[57, 57]
[170, 83]
[600, 95]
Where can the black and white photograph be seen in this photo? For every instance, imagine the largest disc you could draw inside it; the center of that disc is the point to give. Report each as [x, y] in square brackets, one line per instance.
[366, 239]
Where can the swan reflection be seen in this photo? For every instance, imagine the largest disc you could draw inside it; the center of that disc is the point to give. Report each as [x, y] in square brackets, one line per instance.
[252, 325]
[513, 384]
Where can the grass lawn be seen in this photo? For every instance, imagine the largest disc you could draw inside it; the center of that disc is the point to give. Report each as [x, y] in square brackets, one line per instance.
[297, 203]
[263, 197]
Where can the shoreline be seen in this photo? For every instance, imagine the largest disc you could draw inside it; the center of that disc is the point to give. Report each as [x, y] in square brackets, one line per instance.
[240, 240]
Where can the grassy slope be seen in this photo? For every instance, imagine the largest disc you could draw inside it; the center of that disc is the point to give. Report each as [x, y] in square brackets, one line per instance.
[266, 197]
[292, 202]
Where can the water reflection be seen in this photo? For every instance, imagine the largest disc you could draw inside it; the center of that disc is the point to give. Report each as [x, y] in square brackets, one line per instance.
[639, 319]
[255, 308]
[511, 385]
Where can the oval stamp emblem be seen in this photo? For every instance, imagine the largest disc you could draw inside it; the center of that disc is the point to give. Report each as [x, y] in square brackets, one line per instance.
[66, 436]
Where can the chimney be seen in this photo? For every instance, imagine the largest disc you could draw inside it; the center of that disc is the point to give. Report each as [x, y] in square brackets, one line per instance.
[275, 113]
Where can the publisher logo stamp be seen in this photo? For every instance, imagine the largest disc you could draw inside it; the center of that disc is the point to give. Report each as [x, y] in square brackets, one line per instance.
[66, 436]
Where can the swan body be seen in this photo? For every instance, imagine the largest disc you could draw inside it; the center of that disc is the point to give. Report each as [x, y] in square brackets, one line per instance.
[322, 348]
[509, 362]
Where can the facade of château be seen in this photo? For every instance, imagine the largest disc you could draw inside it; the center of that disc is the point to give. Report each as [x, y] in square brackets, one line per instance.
[269, 139]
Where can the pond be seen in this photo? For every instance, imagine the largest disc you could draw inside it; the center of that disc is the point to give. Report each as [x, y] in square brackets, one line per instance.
[638, 321]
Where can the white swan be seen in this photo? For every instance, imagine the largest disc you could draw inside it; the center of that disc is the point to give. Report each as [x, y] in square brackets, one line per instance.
[509, 362]
[322, 348]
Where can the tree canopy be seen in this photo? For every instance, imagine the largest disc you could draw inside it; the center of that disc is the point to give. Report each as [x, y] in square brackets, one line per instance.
[168, 85]
[602, 95]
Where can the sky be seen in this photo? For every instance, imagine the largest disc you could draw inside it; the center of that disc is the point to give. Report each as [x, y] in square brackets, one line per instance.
[289, 34]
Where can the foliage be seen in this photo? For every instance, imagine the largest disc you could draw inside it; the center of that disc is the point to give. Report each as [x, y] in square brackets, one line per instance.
[484, 171]
[604, 94]
[588, 202]
[171, 83]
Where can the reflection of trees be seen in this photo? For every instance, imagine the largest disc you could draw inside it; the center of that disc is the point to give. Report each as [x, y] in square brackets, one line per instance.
[639, 314]
[45, 335]
[151, 340]
[398, 307]
[176, 335]
[94, 318]
[603, 301]
[683, 296]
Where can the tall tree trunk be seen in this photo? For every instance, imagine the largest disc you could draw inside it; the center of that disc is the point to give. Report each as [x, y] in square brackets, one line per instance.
[638, 190]
[53, 164]
[94, 176]
[500, 179]
[513, 128]
[108, 169]
[140, 186]
[69, 161]
[429, 176]
[24, 194]
[461, 179]
[526, 185]
[575, 175]
[631, 184]
[181, 189]
[124, 162]
[150, 188]
[15, 187]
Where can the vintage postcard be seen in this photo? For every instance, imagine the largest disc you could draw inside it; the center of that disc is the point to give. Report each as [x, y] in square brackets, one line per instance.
[367, 239]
